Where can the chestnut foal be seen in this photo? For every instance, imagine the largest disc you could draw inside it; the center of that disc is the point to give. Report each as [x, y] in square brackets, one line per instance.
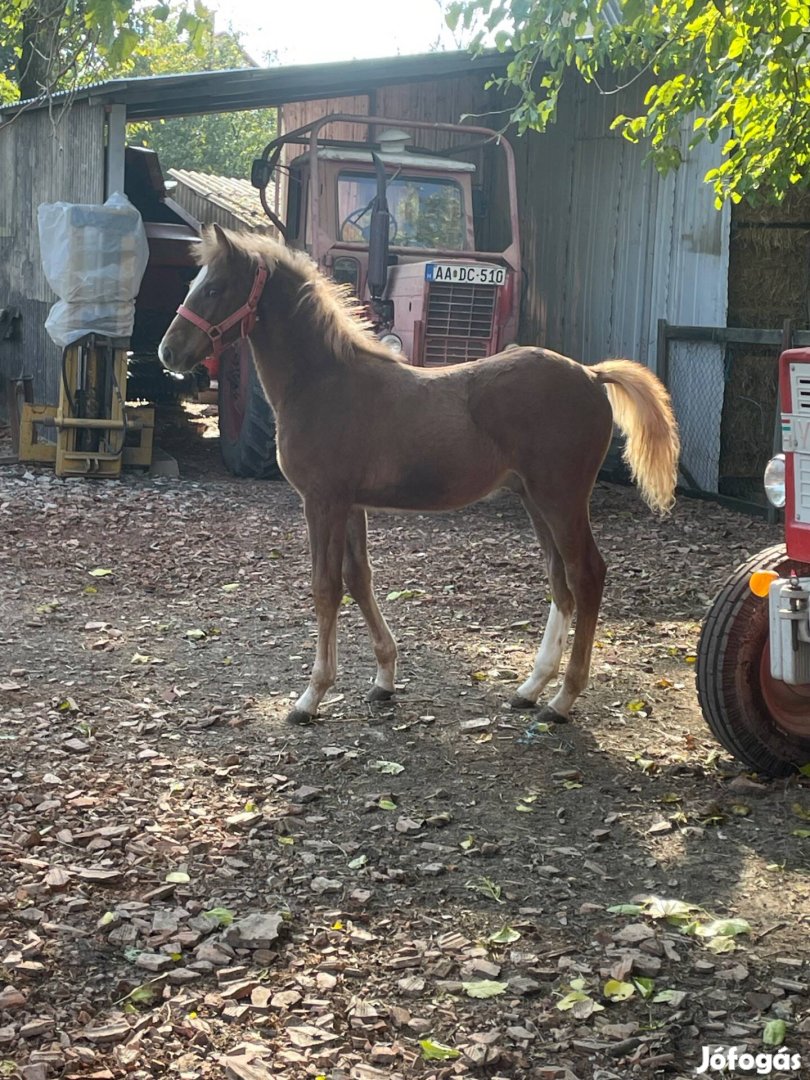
[358, 428]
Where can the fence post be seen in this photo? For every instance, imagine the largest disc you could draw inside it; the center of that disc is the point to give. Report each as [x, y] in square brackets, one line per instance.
[787, 340]
[662, 354]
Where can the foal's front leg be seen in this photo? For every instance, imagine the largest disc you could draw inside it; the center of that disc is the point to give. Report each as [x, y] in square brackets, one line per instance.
[358, 577]
[327, 540]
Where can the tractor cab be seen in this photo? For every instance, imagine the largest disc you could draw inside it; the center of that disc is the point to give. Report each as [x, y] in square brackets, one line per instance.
[407, 228]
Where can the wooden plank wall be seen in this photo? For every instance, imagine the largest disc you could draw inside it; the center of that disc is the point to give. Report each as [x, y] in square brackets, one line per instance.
[43, 158]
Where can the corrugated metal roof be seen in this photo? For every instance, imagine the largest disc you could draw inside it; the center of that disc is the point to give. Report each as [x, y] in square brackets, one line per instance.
[158, 96]
[238, 197]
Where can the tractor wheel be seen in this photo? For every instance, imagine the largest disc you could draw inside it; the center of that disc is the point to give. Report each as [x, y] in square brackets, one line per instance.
[762, 721]
[247, 426]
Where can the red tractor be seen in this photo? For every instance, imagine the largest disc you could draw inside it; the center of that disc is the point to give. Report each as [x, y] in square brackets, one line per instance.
[408, 230]
[753, 665]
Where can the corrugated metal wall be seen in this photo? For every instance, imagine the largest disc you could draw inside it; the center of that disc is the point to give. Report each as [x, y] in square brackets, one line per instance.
[609, 245]
[42, 159]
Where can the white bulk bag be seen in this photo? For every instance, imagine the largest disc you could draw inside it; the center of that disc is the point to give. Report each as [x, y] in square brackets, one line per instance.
[94, 258]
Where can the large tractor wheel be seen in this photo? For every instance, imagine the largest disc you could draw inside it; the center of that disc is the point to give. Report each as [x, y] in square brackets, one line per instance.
[761, 720]
[247, 426]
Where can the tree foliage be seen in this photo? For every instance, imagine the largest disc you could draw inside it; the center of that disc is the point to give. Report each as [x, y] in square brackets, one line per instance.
[733, 71]
[222, 143]
[51, 45]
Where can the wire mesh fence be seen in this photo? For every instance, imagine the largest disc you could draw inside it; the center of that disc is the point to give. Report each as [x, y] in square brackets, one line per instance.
[724, 387]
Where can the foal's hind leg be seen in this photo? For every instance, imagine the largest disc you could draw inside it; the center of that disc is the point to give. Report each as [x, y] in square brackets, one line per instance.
[585, 573]
[549, 655]
[358, 577]
[327, 537]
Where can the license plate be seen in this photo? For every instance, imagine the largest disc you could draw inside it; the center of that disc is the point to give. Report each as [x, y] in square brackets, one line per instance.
[465, 275]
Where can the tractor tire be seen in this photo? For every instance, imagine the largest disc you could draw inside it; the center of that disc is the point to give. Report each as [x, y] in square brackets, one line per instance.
[247, 426]
[764, 722]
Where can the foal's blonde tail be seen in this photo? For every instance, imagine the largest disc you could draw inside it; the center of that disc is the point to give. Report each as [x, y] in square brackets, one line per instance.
[642, 409]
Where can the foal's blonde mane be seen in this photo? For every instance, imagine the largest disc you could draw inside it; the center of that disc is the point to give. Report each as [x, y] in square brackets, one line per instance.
[331, 308]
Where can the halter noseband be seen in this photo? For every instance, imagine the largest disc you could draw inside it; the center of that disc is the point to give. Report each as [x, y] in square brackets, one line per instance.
[246, 314]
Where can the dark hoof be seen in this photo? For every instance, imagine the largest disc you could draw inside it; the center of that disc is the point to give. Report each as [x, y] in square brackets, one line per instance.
[547, 715]
[521, 704]
[379, 694]
[298, 716]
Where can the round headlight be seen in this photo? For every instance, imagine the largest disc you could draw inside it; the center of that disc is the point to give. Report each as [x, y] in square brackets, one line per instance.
[775, 480]
[393, 341]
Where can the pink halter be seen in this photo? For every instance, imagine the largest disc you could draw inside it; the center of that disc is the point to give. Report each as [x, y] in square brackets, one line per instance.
[246, 314]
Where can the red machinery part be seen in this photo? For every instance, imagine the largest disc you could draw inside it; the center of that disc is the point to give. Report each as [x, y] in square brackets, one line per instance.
[797, 533]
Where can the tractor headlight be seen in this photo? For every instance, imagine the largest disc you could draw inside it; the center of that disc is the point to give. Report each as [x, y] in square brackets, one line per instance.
[393, 341]
[775, 480]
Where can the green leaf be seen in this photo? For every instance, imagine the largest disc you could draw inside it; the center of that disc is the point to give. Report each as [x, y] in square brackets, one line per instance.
[487, 887]
[126, 41]
[404, 594]
[669, 997]
[232, 586]
[636, 705]
[387, 804]
[581, 1003]
[644, 985]
[177, 877]
[142, 995]
[484, 988]
[736, 48]
[724, 928]
[721, 945]
[774, 1033]
[100, 572]
[626, 909]
[223, 915]
[390, 768]
[436, 1051]
[672, 910]
[614, 990]
[505, 936]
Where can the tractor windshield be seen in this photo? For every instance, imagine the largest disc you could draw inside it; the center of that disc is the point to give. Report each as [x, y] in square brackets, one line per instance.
[426, 212]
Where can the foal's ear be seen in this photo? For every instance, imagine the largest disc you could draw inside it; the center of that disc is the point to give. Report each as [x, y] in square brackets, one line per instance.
[223, 241]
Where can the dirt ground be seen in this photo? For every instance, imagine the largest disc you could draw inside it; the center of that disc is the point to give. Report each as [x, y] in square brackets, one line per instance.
[191, 888]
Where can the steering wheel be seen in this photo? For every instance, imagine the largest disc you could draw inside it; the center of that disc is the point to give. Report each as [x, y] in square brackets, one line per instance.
[354, 217]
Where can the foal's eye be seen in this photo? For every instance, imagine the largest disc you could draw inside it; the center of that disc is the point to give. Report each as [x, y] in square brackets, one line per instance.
[211, 291]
